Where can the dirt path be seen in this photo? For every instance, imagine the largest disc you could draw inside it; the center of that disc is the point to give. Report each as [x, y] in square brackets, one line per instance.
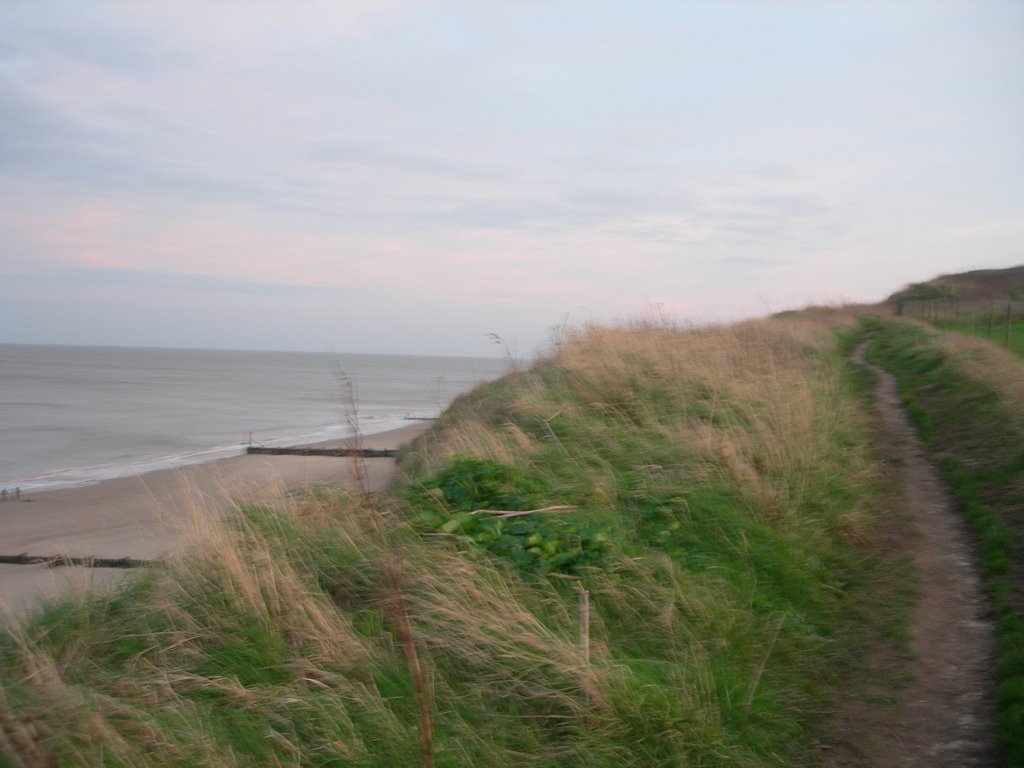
[943, 717]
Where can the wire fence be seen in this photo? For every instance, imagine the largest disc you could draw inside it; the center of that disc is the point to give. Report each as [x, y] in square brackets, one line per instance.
[1000, 321]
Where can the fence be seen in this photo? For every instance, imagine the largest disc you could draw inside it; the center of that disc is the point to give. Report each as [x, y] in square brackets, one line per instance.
[997, 320]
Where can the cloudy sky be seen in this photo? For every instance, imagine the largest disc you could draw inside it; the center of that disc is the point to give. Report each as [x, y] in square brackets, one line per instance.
[408, 177]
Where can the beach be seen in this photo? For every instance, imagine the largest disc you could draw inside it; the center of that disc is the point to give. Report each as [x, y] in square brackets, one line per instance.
[148, 516]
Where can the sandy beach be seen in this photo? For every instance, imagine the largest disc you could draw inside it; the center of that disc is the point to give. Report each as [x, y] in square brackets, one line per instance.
[145, 516]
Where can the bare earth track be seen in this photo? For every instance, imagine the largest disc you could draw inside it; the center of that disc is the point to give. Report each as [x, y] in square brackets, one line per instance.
[943, 717]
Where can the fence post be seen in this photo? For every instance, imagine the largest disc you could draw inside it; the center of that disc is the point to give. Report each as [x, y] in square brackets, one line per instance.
[991, 317]
[1006, 332]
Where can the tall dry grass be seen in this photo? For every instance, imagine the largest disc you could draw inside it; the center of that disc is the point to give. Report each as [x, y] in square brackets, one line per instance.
[757, 405]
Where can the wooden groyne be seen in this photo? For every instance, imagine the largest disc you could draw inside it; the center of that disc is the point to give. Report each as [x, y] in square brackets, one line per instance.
[53, 561]
[361, 453]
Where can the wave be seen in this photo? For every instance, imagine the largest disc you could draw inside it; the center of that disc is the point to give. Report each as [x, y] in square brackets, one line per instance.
[91, 475]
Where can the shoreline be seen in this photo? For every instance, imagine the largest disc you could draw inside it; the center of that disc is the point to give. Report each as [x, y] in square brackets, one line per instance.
[147, 516]
[86, 475]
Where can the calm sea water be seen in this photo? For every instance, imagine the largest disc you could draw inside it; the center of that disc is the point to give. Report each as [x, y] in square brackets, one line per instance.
[77, 415]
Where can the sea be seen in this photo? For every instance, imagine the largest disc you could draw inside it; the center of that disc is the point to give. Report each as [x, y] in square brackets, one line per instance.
[72, 415]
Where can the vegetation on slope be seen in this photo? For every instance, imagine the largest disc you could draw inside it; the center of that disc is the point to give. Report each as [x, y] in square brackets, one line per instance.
[1006, 332]
[978, 284]
[985, 303]
[966, 398]
[650, 549]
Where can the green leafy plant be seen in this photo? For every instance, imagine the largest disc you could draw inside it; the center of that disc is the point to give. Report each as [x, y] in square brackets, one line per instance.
[469, 484]
[467, 498]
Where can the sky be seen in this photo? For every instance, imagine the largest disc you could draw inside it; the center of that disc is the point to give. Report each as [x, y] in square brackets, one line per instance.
[410, 177]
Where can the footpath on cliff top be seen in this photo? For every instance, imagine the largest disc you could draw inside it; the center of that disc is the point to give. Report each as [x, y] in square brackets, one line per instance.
[943, 717]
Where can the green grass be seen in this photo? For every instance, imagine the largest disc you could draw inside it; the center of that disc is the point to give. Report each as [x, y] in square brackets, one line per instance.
[985, 325]
[712, 500]
[1010, 336]
[980, 446]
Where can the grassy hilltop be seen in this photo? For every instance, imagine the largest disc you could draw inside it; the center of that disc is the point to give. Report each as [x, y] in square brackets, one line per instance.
[990, 284]
[988, 303]
[658, 546]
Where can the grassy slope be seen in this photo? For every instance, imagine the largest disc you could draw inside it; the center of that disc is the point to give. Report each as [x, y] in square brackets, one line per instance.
[966, 398]
[1008, 335]
[721, 495]
[979, 284]
[1005, 283]
[976, 306]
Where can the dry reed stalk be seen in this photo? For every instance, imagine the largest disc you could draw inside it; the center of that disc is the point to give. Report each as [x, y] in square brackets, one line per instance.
[584, 611]
[397, 611]
[759, 673]
[398, 614]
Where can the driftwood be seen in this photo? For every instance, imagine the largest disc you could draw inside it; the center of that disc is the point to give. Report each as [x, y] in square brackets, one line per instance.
[363, 453]
[53, 561]
[521, 512]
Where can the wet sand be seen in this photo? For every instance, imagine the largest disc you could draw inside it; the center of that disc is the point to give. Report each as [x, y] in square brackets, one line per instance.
[147, 516]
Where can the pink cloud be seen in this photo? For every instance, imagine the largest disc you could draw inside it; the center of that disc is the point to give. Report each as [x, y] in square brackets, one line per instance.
[85, 235]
